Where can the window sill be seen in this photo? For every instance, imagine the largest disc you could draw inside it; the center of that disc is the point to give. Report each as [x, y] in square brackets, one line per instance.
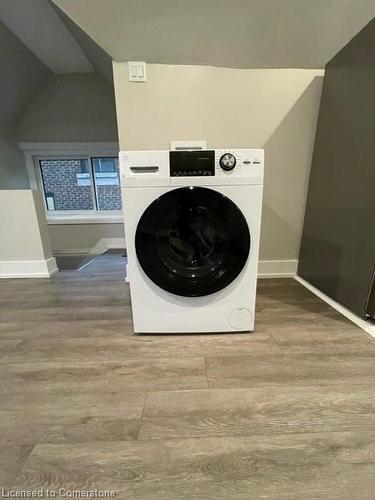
[85, 219]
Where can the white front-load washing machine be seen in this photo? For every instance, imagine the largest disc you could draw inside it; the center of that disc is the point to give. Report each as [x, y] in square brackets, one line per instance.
[192, 224]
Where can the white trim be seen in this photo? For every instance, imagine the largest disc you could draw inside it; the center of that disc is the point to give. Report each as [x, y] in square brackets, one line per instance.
[91, 218]
[277, 268]
[365, 325]
[31, 172]
[64, 147]
[72, 251]
[101, 247]
[107, 244]
[28, 268]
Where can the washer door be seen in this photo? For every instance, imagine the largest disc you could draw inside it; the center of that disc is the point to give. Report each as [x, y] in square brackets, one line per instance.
[192, 241]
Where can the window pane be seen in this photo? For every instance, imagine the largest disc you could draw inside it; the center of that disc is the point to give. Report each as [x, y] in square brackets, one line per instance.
[67, 184]
[107, 183]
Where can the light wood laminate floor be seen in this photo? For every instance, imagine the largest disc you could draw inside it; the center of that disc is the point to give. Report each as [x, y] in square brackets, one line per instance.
[287, 412]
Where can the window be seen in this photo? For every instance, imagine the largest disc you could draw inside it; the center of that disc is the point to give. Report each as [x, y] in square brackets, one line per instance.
[81, 184]
[107, 183]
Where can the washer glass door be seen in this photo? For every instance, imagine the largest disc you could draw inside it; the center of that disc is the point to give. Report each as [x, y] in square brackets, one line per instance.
[192, 241]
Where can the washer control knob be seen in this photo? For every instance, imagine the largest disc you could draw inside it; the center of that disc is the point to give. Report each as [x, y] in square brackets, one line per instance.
[227, 162]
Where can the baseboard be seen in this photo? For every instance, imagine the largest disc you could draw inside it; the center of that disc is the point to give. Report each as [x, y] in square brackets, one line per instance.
[28, 268]
[365, 325]
[277, 268]
[107, 244]
[101, 247]
[72, 251]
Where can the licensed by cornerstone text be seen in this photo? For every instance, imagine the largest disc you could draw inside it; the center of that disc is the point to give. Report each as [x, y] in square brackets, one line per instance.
[60, 493]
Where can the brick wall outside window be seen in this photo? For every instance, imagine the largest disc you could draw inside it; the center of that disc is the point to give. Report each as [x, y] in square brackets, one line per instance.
[62, 184]
[109, 197]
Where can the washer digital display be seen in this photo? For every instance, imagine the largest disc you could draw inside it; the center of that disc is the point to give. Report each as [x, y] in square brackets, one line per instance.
[191, 163]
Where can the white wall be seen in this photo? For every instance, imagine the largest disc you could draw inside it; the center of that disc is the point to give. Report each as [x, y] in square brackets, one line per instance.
[25, 249]
[76, 238]
[275, 109]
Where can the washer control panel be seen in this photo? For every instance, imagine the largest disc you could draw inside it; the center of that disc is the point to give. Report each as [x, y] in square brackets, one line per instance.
[202, 163]
[179, 168]
[238, 162]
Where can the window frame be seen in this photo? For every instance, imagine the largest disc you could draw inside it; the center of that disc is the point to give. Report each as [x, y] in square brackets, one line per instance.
[34, 152]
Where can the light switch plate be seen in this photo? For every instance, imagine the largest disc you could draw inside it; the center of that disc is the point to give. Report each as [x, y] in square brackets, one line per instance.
[137, 71]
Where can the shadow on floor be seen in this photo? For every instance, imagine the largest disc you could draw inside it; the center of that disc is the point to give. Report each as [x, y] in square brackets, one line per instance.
[76, 262]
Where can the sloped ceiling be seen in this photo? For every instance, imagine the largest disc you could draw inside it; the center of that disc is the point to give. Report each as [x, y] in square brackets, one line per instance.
[36, 23]
[54, 38]
[22, 74]
[234, 33]
[96, 55]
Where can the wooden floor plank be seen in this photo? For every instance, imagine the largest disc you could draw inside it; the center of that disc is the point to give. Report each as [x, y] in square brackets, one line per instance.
[334, 465]
[36, 328]
[8, 345]
[31, 427]
[127, 347]
[95, 374]
[324, 341]
[323, 368]
[12, 459]
[80, 401]
[261, 410]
